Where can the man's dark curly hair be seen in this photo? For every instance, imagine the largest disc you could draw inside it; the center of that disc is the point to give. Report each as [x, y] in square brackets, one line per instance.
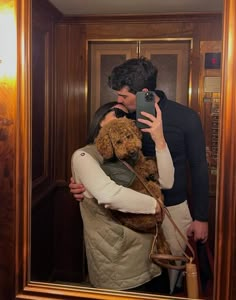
[136, 73]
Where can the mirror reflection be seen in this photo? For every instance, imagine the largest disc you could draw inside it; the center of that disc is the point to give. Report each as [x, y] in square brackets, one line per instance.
[72, 58]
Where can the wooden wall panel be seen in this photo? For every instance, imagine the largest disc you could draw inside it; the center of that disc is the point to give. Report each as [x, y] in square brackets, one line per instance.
[198, 27]
[13, 244]
[58, 242]
[70, 91]
[40, 107]
[43, 17]
[68, 249]
[226, 204]
[61, 96]
[14, 192]
[70, 134]
[43, 116]
[77, 107]
[42, 239]
[57, 251]
[44, 14]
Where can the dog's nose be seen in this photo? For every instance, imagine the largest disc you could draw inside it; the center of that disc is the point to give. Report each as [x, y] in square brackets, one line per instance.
[132, 152]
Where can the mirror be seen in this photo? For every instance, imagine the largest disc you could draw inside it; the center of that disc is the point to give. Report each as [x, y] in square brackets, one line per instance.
[59, 291]
[57, 247]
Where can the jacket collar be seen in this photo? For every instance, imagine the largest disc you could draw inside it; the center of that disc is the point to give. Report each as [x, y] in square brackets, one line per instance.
[162, 97]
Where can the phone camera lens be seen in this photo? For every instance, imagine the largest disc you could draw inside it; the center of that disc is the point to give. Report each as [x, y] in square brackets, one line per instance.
[149, 96]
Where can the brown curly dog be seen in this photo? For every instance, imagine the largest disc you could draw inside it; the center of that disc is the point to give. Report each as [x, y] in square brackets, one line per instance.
[120, 139]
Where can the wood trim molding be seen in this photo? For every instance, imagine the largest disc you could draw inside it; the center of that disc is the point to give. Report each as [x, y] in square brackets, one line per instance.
[225, 268]
[23, 153]
[225, 265]
[153, 18]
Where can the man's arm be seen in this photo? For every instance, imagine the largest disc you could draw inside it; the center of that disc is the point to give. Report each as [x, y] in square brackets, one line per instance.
[196, 152]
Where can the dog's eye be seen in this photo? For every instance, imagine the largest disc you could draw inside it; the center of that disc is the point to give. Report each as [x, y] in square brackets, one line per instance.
[151, 177]
[129, 136]
[118, 142]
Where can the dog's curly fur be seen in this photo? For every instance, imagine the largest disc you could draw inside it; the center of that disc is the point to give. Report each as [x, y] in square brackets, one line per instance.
[120, 139]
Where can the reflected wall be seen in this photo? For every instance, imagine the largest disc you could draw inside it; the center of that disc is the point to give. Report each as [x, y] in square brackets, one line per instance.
[14, 283]
[67, 108]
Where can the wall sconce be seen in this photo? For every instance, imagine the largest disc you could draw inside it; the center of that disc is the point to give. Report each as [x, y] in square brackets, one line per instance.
[8, 49]
[8, 65]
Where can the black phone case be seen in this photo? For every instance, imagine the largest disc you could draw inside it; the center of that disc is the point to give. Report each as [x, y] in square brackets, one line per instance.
[144, 102]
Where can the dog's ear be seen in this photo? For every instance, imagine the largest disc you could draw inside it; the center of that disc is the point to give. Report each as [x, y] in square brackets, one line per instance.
[135, 129]
[103, 144]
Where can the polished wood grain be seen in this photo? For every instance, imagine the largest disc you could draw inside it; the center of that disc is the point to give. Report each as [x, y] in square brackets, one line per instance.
[56, 255]
[44, 16]
[70, 94]
[194, 26]
[225, 265]
[15, 204]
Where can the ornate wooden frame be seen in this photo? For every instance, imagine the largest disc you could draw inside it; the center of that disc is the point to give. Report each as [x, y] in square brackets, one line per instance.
[225, 264]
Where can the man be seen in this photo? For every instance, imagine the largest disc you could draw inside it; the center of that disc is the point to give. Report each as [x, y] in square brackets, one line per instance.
[184, 136]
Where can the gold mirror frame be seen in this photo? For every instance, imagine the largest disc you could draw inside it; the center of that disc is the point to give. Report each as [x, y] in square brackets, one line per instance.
[225, 265]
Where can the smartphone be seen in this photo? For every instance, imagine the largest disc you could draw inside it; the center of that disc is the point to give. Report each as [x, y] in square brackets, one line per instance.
[145, 101]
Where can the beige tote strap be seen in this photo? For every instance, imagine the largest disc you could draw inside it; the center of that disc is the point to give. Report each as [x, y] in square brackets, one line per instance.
[163, 258]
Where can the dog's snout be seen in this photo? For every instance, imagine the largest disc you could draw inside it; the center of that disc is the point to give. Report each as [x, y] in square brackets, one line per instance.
[131, 152]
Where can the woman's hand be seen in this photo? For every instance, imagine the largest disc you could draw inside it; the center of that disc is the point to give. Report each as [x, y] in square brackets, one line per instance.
[76, 189]
[155, 127]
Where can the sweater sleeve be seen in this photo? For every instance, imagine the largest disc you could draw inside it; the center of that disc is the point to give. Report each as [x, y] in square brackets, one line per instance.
[87, 170]
[165, 168]
[196, 155]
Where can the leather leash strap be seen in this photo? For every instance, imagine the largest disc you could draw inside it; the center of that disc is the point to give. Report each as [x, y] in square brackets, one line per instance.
[163, 259]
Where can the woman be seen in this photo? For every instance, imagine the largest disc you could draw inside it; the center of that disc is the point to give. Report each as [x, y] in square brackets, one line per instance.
[118, 258]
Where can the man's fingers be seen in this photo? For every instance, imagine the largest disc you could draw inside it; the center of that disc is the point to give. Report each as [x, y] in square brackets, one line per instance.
[78, 197]
[204, 240]
[158, 111]
[189, 232]
[76, 187]
[77, 191]
[72, 180]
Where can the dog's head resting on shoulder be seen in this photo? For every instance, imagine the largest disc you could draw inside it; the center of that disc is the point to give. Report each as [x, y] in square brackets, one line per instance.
[119, 138]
